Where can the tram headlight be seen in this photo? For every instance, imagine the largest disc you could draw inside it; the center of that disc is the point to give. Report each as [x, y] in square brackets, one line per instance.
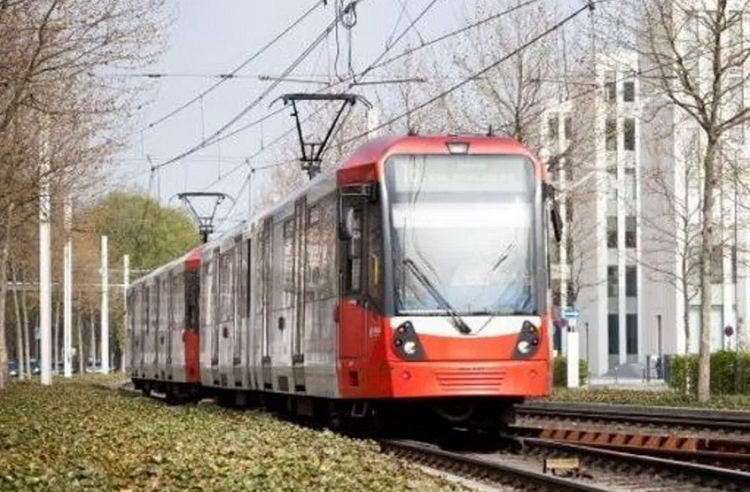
[523, 347]
[528, 340]
[410, 348]
[406, 343]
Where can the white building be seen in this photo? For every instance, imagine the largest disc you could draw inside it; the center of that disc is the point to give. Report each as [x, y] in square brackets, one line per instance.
[632, 241]
[600, 257]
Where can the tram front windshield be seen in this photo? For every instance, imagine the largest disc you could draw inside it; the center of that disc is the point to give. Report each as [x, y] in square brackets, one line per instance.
[462, 234]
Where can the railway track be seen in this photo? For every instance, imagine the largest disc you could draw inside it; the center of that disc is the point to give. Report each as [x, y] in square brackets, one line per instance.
[602, 470]
[679, 418]
[717, 438]
[517, 462]
[727, 453]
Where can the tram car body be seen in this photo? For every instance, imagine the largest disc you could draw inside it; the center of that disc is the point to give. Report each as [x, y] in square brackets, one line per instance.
[415, 273]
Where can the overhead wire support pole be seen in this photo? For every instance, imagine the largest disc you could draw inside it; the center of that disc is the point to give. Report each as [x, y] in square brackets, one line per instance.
[105, 305]
[250, 173]
[45, 274]
[125, 286]
[68, 291]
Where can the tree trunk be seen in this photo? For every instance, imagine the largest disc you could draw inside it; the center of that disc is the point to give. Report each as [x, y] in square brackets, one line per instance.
[27, 336]
[686, 319]
[56, 336]
[19, 329]
[80, 343]
[4, 251]
[707, 244]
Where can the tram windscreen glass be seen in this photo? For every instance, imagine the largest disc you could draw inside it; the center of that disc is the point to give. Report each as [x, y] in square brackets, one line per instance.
[462, 225]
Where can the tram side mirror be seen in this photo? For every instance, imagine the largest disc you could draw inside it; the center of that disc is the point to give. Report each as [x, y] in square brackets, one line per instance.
[554, 211]
[556, 221]
[346, 224]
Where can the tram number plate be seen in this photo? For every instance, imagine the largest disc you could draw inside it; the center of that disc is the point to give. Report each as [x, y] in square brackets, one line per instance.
[565, 465]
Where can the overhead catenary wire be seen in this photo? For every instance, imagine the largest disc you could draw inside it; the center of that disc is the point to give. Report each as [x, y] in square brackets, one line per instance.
[376, 64]
[213, 138]
[411, 26]
[483, 71]
[233, 74]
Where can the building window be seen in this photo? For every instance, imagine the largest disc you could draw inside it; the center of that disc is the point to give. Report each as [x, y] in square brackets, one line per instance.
[612, 282]
[630, 186]
[628, 129]
[610, 86]
[631, 282]
[631, 334]
[630, 232]
[613, 330]
[552, 128]
[611, 134]
[717, 265]
[568, 127]
[611, 232]
[628, 88]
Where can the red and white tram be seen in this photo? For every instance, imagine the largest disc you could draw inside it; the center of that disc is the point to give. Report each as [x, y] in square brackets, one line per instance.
[415, 273]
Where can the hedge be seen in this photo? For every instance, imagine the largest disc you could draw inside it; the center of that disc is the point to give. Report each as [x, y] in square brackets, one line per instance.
[560, 371]
[730, 373]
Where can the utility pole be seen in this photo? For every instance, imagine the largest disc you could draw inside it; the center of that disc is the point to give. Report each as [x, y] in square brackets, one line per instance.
[373, 121]
[67, 291]
[250, 172]
[105, 308]
[45, 273]
[125, 285]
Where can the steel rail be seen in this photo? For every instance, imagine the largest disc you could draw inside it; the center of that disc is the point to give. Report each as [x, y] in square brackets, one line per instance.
[677, 416]
[485, 468]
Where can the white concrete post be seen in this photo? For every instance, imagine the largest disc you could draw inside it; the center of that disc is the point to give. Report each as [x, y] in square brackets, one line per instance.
[573, 375]
[67, 292]
[373, 121]
[45, 273]
[105, 307]
[125, 285]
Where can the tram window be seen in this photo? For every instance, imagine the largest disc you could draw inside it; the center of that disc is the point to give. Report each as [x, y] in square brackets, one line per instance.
[288, 264]
[374, 254]
[193, 298]
[354, 266]
[261, 261]
[145, 304]
[226, 284]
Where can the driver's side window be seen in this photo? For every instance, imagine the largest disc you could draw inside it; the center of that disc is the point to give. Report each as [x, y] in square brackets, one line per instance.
[353, 265]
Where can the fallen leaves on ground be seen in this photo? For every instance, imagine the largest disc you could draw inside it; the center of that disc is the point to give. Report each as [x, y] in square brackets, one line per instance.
[72, 436]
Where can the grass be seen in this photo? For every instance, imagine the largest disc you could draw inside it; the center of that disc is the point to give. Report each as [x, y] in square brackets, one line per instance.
[75, 436]
[651, 398]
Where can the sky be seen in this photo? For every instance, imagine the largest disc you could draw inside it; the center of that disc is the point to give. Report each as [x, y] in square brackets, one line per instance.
[209, 38]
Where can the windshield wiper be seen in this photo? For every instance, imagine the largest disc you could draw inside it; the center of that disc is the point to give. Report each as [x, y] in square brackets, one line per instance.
[459, 323]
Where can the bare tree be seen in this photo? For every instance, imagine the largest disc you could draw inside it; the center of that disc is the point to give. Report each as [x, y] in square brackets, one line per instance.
[512, 96]
[694, 62]
[672, 228]
[55, 64]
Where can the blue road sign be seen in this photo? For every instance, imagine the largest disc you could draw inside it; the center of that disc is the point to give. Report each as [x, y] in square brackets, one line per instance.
[570, 312]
